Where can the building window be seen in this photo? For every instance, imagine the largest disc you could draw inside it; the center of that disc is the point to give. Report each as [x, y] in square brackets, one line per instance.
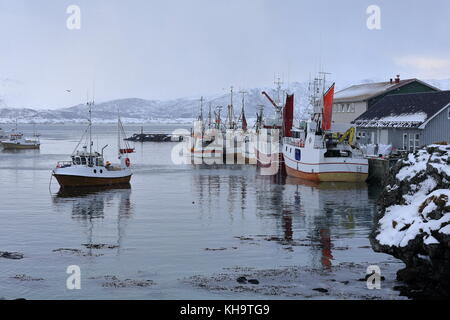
[448, 113]
[348, 107]
[405, 141]
[416, 141]
[352, 107]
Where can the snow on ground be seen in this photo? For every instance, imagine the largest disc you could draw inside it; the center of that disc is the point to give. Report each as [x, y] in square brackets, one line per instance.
[415, 165]
[425, 208]
[402, 223]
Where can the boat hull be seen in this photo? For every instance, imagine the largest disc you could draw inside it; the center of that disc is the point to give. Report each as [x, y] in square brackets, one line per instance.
[328, 176]
[71, 181]
[310, 163]
[15, 146]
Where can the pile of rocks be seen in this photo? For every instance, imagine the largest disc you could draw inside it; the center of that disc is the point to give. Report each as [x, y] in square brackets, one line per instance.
[413, 221]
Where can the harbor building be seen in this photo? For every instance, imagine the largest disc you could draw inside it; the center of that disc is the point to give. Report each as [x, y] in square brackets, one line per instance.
[406, 121]
[353, 101]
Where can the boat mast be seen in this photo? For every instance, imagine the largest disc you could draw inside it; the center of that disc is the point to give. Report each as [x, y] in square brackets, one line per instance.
[209, 117]
[324, 75]
[118, 131]
[278, 82]
[243, 104]
[230, 115]
[218, 120]
[231, 96]
[90, 128]
[201, 109]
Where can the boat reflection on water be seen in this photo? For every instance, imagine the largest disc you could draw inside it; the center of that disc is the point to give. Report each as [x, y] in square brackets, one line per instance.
[323, 218]
[88, 205]
[316, 214]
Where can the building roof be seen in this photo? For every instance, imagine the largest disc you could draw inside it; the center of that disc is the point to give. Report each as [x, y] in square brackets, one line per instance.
[412, 110]
[366, 91]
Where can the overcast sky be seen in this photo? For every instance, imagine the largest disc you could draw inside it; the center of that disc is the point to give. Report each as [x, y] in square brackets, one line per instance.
[176, 48]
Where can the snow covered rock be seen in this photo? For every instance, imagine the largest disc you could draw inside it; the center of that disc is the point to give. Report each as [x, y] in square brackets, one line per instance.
[413, 222]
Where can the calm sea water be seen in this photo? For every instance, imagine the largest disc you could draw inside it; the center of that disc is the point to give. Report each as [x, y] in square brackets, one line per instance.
[175, 222]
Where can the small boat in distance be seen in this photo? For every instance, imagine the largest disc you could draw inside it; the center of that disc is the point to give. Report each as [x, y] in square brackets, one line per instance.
[88, 168]
[16, 141]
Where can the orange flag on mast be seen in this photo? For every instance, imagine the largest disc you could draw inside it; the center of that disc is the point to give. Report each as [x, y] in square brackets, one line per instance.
[327, 112]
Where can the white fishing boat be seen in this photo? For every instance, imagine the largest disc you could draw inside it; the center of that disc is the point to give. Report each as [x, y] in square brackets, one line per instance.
[206, 138]
[87, 168]
[313, 152]
[212, 140]
[270, 133]
[233, 132]
[17, 141]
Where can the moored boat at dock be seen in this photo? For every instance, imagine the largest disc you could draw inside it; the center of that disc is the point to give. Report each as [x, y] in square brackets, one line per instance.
[313, 152]
[270, 132]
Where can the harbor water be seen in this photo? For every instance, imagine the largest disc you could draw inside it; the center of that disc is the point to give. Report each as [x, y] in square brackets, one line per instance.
[181, 231]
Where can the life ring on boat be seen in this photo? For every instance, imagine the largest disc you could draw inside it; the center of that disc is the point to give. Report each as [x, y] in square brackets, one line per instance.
[127, 162]
[301, 144]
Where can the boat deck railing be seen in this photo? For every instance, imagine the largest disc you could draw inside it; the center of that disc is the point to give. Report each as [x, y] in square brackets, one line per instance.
[64, 164]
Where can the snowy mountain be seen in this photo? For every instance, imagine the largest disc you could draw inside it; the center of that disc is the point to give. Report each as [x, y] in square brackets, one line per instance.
[134, 110]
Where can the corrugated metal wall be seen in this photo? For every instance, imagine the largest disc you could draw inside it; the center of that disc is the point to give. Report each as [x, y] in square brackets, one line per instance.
[438, 129]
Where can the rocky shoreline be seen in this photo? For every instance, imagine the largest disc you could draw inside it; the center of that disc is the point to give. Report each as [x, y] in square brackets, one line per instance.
[413, 221]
